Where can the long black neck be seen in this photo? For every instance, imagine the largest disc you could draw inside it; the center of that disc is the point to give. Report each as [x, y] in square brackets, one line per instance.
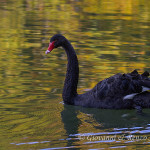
[72, 75]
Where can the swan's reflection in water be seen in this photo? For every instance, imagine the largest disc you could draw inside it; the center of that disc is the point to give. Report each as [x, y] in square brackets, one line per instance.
[104, 126]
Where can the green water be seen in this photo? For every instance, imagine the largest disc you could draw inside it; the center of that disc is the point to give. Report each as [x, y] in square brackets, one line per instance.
[109, 37]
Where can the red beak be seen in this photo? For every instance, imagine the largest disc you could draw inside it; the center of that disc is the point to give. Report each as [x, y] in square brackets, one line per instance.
[51, 47]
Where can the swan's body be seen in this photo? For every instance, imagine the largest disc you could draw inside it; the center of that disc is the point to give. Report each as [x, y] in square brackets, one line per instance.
[116, 92]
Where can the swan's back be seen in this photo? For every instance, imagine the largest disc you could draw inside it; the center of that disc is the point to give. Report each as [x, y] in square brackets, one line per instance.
[111, 92]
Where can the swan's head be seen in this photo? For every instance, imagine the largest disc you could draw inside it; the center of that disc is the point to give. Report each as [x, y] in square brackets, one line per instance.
[56, 41]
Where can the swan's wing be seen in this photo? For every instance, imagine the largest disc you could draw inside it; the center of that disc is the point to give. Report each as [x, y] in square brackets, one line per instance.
[143, 81]
[131, 96]
[125, 86]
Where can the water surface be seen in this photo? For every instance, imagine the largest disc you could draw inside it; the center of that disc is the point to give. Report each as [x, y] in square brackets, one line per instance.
[108, 36]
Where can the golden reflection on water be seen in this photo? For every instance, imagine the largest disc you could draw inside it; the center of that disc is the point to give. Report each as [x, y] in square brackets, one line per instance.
[109, 37]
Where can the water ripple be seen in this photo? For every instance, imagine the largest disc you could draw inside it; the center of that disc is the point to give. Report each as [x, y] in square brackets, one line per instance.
[30, 143]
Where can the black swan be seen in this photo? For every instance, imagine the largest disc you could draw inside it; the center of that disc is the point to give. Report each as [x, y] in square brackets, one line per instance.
[121, 91]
